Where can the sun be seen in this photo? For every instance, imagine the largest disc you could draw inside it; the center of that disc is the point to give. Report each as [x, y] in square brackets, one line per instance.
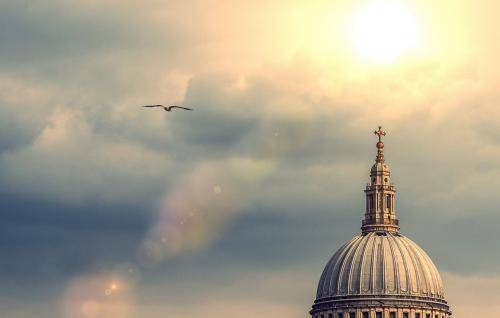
[383, 31]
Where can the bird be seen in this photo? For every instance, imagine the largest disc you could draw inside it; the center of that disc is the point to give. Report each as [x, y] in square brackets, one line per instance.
[168, 108]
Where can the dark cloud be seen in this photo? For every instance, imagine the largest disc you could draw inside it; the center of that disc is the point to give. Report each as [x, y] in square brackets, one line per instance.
[44, 241]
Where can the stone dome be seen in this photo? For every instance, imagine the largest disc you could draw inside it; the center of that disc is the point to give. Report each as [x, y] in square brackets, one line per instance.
[383, 264]
[380, 273]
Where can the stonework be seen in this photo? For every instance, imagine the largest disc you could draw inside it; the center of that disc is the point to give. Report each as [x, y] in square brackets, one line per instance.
[380, 273]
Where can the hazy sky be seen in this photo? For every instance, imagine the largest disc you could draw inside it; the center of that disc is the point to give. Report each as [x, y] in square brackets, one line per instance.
[110, 210]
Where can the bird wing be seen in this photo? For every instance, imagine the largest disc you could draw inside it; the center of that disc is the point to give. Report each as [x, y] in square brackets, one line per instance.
[152, 106]
[173, 106]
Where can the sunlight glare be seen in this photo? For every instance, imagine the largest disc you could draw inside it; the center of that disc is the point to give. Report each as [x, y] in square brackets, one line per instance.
[383, 31]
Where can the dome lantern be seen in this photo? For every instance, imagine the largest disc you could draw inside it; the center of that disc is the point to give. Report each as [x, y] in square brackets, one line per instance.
[380, 212]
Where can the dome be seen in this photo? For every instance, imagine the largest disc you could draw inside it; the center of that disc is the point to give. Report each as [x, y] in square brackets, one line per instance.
[382, 264]
[380, 273]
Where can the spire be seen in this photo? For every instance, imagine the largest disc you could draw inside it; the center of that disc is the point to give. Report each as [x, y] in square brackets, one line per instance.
[380, 215]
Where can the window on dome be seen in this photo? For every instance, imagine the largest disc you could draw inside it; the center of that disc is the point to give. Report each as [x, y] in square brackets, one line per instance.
[427, 315]
[405, 315]
[389, 201]
[330, 315]
[378, 314]
[341, 315]
[365, 314]
[392, 314]
[352, 315]
[417, 315]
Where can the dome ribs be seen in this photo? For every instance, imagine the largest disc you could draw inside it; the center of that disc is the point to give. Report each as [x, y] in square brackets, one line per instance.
[380, 264]
[323, 288]
[332, 268]
[355, 273]
[404, 268]
[344, 277]
[380, 274]
[436, 288]
[394, 274]
[367, 274]
[416, 267]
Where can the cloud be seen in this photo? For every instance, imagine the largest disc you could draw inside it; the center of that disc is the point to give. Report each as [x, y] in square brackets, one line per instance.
[23, 112]
[472, 295]
[284, 293]
[266, 173]
[197, 209]
[67, 161]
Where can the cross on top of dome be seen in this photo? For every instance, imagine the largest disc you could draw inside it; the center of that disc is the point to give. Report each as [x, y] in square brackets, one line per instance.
[380, 144]
[380, 133]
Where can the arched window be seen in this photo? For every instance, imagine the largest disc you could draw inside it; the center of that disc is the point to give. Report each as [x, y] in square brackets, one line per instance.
[389, 202]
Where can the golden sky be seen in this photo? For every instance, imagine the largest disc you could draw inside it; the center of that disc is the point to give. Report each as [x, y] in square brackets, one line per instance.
[233, 209]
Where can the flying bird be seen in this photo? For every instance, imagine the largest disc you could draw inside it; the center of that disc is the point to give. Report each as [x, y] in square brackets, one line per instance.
[168, 108]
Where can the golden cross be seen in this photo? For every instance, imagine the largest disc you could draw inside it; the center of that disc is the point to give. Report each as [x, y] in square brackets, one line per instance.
[379, 133]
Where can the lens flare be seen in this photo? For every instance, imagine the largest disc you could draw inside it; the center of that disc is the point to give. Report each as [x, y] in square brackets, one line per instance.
[98, 295]
[217, 189]
[199, 206]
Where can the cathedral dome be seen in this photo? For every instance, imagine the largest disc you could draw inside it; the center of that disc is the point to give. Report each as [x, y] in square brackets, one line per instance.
[380, 263]
[380, 273]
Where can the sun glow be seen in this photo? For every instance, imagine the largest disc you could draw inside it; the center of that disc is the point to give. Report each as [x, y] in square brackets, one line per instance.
[383, 31]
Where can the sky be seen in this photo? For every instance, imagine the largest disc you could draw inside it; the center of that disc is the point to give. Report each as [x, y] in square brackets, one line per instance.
[233, 209]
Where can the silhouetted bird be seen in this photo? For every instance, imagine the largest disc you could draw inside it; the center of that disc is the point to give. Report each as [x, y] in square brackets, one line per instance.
[168, 108]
